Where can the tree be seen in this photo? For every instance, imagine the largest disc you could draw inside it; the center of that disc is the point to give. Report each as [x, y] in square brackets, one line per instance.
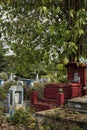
[3, 62]
[76, 16]
[42, 32]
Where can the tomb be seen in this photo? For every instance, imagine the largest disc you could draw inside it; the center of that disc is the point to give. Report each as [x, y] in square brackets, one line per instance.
[1, 82]
[58, 94]
[79, 103]
[15, 98]
[27, 82]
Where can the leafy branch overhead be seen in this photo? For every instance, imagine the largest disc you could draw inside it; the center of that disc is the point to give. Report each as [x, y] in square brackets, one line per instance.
[42, 32]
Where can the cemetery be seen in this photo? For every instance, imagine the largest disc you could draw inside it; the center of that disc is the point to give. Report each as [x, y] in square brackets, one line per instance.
[43, 65]
[73, 92]
[67, 98]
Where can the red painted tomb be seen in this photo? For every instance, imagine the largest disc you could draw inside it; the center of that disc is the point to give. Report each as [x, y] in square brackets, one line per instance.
[57, 94]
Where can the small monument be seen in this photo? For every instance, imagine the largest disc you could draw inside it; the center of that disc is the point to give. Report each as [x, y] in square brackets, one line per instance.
[1, 82]
[77, 72]
[15, 97]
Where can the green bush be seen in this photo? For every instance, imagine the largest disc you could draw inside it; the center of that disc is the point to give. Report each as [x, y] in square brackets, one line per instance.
[4, 89]
[3, 76]
[1, 110]
[2, 94]
[62, 79]
[8, 84]
[40, 88]
[24, 117]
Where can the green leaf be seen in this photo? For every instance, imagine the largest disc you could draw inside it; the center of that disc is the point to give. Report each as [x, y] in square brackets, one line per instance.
[72, 13]
[43, 1]
[80, 32]
[39, 24]
[72, 47]
[51, 28]
[57, 9]
[43, 10]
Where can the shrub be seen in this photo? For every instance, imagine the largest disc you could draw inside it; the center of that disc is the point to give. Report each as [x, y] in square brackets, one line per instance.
[3, 76]
[24, 117]
[1, 110]
[2, 94]
[40, 88]
[8, 84]
[4, 90]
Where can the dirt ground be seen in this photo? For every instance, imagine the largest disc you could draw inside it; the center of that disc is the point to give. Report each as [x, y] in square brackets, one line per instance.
[73, 115]
[65, 113]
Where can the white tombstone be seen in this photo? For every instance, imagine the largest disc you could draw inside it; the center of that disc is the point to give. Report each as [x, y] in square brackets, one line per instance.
[76, 77]
[15, 97]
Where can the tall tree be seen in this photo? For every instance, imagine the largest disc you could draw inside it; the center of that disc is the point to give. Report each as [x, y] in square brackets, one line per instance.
[77, 21]
[41, 32]
[3, 62]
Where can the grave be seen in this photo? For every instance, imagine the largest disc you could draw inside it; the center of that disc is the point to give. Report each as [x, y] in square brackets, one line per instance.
[77, 72]
[27, 82]
[1, 82]
[15, 98]
[79, 103]
[58, 94]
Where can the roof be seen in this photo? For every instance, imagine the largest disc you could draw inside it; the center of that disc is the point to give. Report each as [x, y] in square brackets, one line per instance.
[75, 64]
[16, 88]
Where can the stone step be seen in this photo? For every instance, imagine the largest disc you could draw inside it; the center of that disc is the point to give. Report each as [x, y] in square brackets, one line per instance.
[78, 104]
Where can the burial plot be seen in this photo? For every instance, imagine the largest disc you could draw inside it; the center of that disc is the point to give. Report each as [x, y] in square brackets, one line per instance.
[15, 98]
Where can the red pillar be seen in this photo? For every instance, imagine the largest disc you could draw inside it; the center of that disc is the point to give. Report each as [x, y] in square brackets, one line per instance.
[60, 99]
[34, 97]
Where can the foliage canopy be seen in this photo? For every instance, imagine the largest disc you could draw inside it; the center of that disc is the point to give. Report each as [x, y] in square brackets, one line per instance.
[44, 32]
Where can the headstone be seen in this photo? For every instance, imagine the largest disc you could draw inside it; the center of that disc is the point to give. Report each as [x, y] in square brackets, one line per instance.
[37, 77]
[76, 77]
[12, 76]
[1, 82]
[15, 98]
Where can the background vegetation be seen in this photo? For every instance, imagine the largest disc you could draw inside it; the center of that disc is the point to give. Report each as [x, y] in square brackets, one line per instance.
[42, 34]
